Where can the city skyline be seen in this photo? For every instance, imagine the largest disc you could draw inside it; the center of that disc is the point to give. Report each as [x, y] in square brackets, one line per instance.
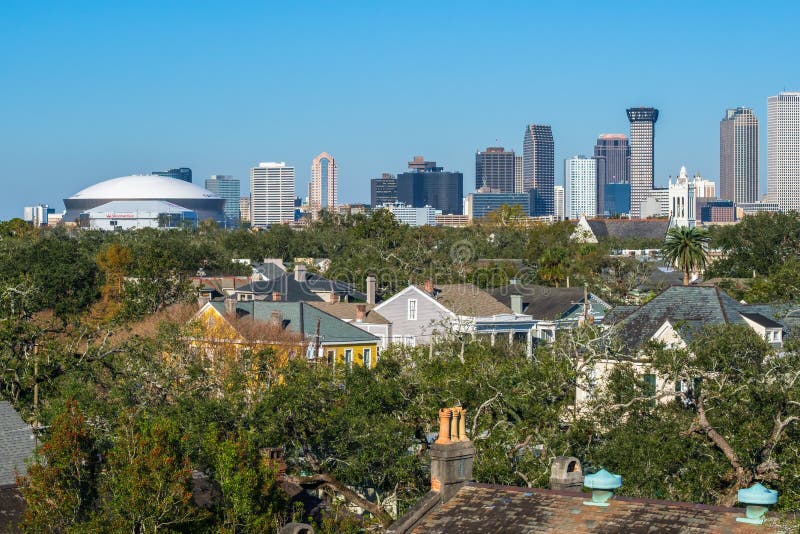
[85, 90]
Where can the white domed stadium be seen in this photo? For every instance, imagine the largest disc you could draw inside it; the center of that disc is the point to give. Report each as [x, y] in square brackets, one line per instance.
[145, 193]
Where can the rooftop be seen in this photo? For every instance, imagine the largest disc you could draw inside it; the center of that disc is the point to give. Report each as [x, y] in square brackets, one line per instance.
[16, 444]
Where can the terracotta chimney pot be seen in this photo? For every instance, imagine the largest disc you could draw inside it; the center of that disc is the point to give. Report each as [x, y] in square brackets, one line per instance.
[429, 286]
[361, 313]
[445, 415]
[454, 437]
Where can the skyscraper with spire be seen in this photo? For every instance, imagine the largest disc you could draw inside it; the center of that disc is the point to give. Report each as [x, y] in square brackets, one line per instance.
[643, 121]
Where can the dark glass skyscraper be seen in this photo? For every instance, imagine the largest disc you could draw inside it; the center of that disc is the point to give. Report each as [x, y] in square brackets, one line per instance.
[494, 168]
[613, 154]
[182, 173]
[383, 190]
[425, 184]
[538, 167]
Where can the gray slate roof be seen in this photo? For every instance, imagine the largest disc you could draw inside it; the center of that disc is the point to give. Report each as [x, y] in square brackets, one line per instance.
[629, 228]
[545, 303]
[689, 309]
[16, 444]
[293, 291]
[302, 317]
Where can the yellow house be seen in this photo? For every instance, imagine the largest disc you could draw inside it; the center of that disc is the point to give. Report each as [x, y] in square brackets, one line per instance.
[291, 328]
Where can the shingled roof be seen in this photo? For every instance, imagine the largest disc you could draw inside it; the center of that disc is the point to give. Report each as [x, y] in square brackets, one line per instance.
[468, 300]
[480, 508]
[16, 444]
[689, 309]
[545, 303]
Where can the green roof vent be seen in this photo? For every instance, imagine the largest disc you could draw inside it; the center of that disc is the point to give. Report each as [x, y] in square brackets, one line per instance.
[757, 498]
[602, 485]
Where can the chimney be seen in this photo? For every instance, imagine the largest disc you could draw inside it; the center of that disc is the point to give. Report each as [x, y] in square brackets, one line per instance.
[516, 304]
[276, 296]
[275, 318]
[300, 272]
[429, 286]
[452, 454]
[361, 312]
[370, 289]
[334, 298]
[230, 305]
[566, 474]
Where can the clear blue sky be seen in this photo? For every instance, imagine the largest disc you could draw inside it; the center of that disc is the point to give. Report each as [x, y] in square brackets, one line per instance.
[92, 90]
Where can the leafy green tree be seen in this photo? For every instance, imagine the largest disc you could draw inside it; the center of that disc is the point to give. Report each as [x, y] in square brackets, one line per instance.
[686, 248]
[60, 487]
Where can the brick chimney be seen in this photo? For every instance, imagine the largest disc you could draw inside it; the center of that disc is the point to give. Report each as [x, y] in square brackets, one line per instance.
[452, 454]
[276, 296]
[429, 286]
[300, 272]
[361, 312]
[370, 289]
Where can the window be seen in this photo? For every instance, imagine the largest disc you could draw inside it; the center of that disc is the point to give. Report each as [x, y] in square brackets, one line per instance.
[368, 358]
[348, 357]
[411, 341]
[412, 309]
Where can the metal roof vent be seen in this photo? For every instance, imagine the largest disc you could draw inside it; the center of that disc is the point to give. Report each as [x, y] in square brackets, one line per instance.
[757, 498]
[602, 485]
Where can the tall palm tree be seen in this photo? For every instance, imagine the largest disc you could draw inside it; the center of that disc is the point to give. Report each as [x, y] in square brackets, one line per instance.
[685, 248]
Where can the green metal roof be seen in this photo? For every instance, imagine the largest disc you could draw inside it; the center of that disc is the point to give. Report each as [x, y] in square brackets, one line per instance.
[302, 317]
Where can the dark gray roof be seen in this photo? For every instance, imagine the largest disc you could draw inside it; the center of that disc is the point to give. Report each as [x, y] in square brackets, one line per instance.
[16, 444]
[12, 506]
[542, 302]
[688, 309]
[483, 508]
[629, 228]
[762, 320]
[293, 291]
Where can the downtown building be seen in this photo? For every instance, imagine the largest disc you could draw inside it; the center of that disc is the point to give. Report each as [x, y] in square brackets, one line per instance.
[323, 189]
[642, 121]
[383, 190]
[228, 188]
[181, 173]
[580, 175]
[559, 204]
[425, 184]
[538, 167]
[484, 201]
[738, 155]
[271, 194]
[613, 156]
[682, 204]
[783, 150]
[495, 169]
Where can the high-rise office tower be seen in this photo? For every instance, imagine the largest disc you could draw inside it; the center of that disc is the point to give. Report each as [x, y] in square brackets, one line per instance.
[244, 209]
[229, 188]
[271, 194]
[643, 122]
[738, 155]
[383, 190]
[519, 186]
[558, 202]
[182, 173]
[613, 156]
[494, 168]
[425, 184]
[580, 187]
[538, 166]
[783, 150]
[322, 191]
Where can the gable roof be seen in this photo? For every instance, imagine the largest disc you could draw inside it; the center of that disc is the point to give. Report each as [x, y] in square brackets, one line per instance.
[545, 303]
[346, 311]
[293, 291]
[16, 444]
[417, 292]
[479, 508]
[468, 300]
[302, 317]
[629, 228]
[688, 309]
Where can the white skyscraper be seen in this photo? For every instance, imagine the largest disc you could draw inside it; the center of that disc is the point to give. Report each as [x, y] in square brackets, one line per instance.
[323, 189]
[682, 201]
[558, 199]
[519, 186]
[271, 194]
[580, 187]
[783, 150]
